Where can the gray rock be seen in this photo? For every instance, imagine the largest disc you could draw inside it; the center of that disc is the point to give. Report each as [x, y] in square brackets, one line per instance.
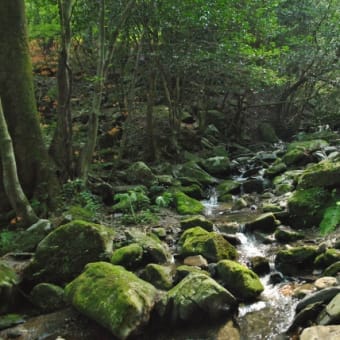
[197, 297]
[265, 223]
[321, 332]
[331, 314]
[323, 296]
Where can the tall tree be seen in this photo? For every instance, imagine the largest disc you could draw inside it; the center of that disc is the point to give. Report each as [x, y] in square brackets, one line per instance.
[61, 146]
[35, 169]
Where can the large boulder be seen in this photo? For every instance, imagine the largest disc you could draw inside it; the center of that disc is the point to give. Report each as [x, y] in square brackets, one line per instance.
[217, 166]
[197, 298]
[239, 280]
[129, 256]
[331, 314]
[306, 207]
[266, 223]
[227, 187]
[113, 297]
[154, 250]
[211, 245]
[331, 218]
[186, 205]
[47, 297]
[300, 152]
[296, 260]
[267, 133]
[194, 171]
[323, 174]
[140, 173]
[197, 221]
[158, 275]
[321, 332]
[62, 255]
[327, 258]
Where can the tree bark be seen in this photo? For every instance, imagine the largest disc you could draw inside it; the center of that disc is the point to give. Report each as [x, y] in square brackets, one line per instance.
[11, 182]
[35, 170]
[61, 146]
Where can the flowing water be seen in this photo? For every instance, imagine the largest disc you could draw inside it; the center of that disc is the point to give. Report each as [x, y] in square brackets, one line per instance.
[272, 313]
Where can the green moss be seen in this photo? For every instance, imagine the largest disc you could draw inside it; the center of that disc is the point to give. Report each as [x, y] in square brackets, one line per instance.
[159, 276]
[276, 169]
[8, 277]
[193, 171]
[297, 259]
[286, 235]
[194, 191]
[306, 207]
[217, 165]
[211, 245]
[77, 212]
[308, 145]
[10, 320]
[239, 280]
[323, 174]
[293, 156]
[266, 223]
[184, 270]
[227, 187]
[154, 250]
[47, 297]
[327, 258]
[332, 270]
[63, 254]
[270, 207]
[186, 205]
[196, 298]
[129, 256]
[197, 221]
[115, 298]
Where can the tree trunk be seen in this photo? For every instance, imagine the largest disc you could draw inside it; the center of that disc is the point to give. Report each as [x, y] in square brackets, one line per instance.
[13, 189]
[35, 170]
[61, 146]
[92, 130]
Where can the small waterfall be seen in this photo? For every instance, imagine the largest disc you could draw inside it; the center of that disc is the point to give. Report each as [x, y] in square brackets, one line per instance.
[212, 202]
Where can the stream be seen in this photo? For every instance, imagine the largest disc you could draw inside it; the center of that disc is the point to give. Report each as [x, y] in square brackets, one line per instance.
[270, 316]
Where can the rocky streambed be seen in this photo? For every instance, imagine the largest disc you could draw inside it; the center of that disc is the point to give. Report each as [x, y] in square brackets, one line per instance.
[253, 265]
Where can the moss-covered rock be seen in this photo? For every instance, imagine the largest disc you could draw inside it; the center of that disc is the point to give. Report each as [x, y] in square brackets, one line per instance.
[296, 260]
[76, 212]
[47, 297]
[194, 171]
[266, 223]
[154, 250]
[159, 276]
[62, 255]
[10, 320]
[186, 205]
[306, 207]
[115, 298]
[323, 174]
[271, 207]
[332, 270]
[239, 280]
[327, 258]
[129, 256]
[286, 235]
[331, 218]
[140, 173]
[197, 298]
[228, 187]
[184, 270]
[193, 190]
[217, 166]
[8, 281]
[211, 245]
[300, 152]
[197, 221]
[276, 169]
